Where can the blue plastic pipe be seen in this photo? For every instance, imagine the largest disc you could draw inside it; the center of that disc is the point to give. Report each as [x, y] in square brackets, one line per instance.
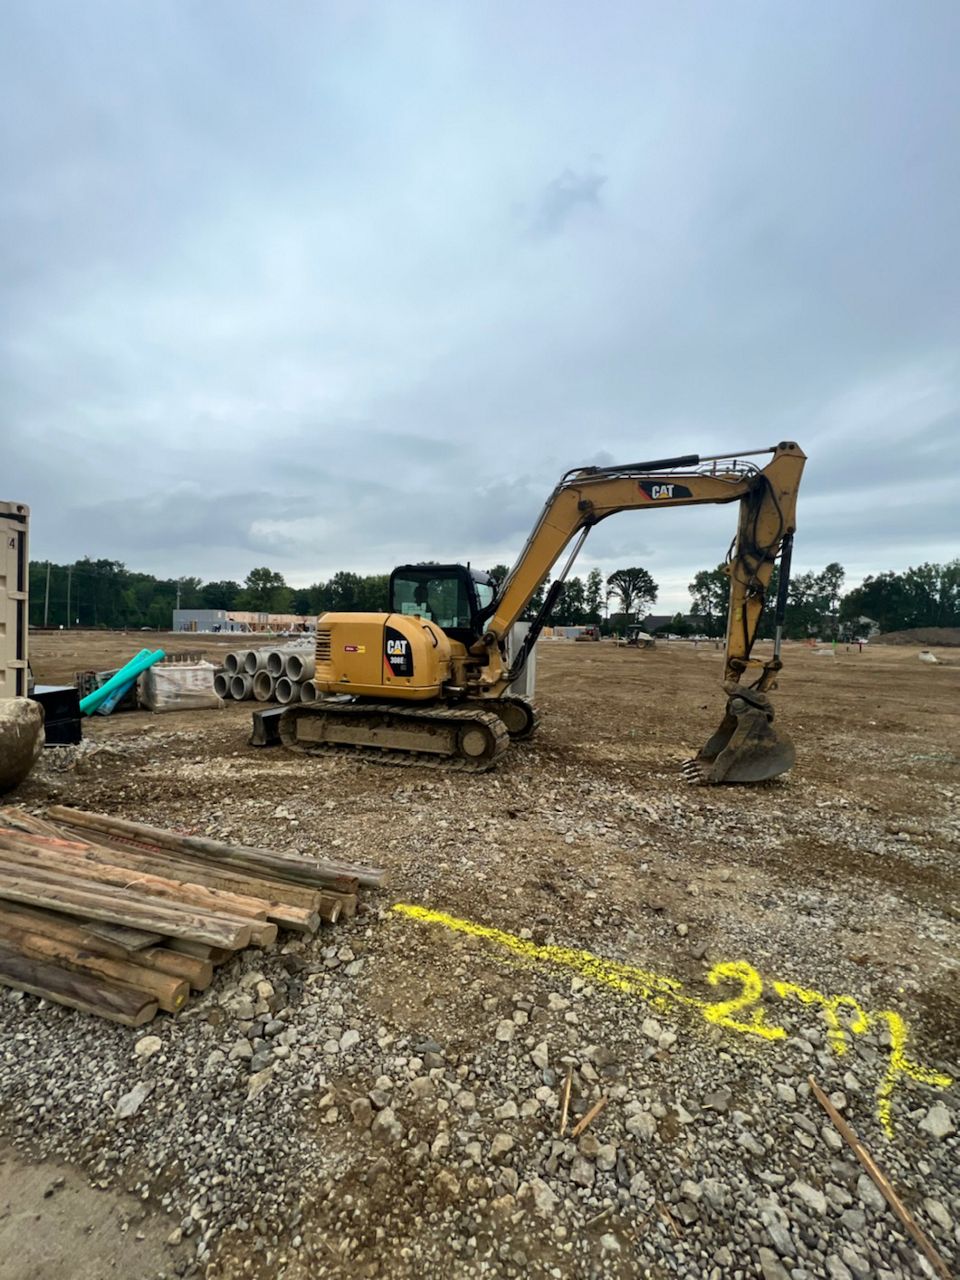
[133, 668]
[110, 701]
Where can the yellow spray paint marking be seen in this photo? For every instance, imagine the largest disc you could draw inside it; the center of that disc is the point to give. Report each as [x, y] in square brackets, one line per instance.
[830, 1006]
[740, 1013]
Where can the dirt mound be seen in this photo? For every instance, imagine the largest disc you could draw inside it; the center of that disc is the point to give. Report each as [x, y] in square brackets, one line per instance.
[923, 636]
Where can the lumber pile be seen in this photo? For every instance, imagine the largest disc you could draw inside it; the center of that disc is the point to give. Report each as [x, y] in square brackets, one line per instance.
[120, 919]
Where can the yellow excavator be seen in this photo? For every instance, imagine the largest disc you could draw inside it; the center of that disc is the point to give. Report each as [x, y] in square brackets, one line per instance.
[428, 683]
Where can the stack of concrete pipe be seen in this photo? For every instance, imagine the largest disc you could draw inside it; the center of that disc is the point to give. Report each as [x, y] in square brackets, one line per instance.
[281, 675]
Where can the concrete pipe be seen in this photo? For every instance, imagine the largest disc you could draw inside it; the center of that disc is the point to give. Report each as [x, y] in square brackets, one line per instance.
[263, 686]
[255, 660]
[300, 666]
[287, 690]
[221, 684]
[309, 691]
[241, 687]
[275, 659]
[233, 662]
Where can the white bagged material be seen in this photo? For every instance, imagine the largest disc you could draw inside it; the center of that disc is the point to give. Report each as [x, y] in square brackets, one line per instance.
[179, 686]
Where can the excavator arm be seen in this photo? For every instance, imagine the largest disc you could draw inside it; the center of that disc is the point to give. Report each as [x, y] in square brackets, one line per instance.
[745, 748]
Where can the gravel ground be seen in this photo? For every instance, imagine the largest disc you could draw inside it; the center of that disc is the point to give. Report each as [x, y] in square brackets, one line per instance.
[383, 1099]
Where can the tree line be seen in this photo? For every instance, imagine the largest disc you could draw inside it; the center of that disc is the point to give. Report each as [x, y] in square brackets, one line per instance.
[104, 593]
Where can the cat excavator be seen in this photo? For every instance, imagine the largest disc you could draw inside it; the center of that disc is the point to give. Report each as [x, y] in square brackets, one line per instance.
[429, 682]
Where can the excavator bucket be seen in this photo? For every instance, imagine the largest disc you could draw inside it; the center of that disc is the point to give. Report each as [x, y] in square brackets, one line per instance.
[746, 747]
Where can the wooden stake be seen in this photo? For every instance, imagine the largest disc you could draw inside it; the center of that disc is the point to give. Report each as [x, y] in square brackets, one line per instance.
[885, 1187]
[667, 1216]
[565, 1100]
[591, 1115]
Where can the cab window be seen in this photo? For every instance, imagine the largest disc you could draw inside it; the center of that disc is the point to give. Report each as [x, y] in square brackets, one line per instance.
[439, 598]
[484, 592]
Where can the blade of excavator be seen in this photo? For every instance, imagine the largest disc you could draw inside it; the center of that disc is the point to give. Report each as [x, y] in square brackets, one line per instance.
[746, 747]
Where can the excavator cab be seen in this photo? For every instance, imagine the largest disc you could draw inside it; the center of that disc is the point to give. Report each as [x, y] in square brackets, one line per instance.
[454, 596]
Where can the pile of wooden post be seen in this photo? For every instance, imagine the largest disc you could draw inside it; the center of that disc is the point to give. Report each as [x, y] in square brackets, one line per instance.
[120, 919]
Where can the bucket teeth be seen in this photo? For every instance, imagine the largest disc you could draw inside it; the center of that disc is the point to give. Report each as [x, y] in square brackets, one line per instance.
[694, 773]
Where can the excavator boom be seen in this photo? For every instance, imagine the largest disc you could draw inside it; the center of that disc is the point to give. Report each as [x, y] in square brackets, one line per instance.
[745, 747]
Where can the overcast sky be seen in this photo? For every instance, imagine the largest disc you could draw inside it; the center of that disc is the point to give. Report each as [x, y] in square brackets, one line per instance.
[341, 285]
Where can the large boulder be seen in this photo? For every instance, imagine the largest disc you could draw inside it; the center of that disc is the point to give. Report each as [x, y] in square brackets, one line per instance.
[21, 739]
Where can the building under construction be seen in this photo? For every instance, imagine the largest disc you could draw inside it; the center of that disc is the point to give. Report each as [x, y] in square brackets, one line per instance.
[244, 620]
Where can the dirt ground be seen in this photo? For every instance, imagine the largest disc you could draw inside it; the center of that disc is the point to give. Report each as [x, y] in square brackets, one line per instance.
[876, 732]
[841, 877]
[55, 1226]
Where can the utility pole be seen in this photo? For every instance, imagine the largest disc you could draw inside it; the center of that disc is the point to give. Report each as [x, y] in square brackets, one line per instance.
[69, 580]
[178, 594]
[46, 598]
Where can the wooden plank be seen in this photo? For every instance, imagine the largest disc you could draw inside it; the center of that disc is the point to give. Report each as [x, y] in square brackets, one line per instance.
[276, 893]
[300, 868]
[199, 973]
[56, 866]
[881, 1181]
[330, 909]
[82, 991]
[170, 993]
[128, 938]
[90, 866]
[260, 895]
[229, 895]
[348, 903]
[215, 931]
[199, 950]
[216, 877]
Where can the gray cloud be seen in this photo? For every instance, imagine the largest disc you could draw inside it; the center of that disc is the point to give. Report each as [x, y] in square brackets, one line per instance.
[562, 197]
[265, 294]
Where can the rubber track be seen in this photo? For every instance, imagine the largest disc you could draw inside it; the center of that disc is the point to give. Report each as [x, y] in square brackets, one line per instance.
[480, 705]
[404, 759]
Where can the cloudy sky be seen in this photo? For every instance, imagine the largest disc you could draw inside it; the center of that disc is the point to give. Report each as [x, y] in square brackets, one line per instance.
[339, 285]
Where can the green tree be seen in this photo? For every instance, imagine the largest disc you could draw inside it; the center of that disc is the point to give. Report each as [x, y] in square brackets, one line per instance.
[571, 609]
[595, 596]
[635, 589]
[499, 571]
[220, 595]
[345, 591]
[374, 593]
[710, 596]
[925, 596]
[265, 591]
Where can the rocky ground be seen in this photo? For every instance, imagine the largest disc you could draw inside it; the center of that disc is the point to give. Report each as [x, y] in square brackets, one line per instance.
[384, 1099]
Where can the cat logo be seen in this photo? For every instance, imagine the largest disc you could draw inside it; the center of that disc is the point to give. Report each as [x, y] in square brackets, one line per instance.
[397, 653]
[664, 492]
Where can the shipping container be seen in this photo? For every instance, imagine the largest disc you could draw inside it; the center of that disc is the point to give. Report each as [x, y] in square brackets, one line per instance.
[14, 612]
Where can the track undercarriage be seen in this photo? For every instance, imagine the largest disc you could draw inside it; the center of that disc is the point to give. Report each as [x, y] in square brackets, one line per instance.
[470, 736]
